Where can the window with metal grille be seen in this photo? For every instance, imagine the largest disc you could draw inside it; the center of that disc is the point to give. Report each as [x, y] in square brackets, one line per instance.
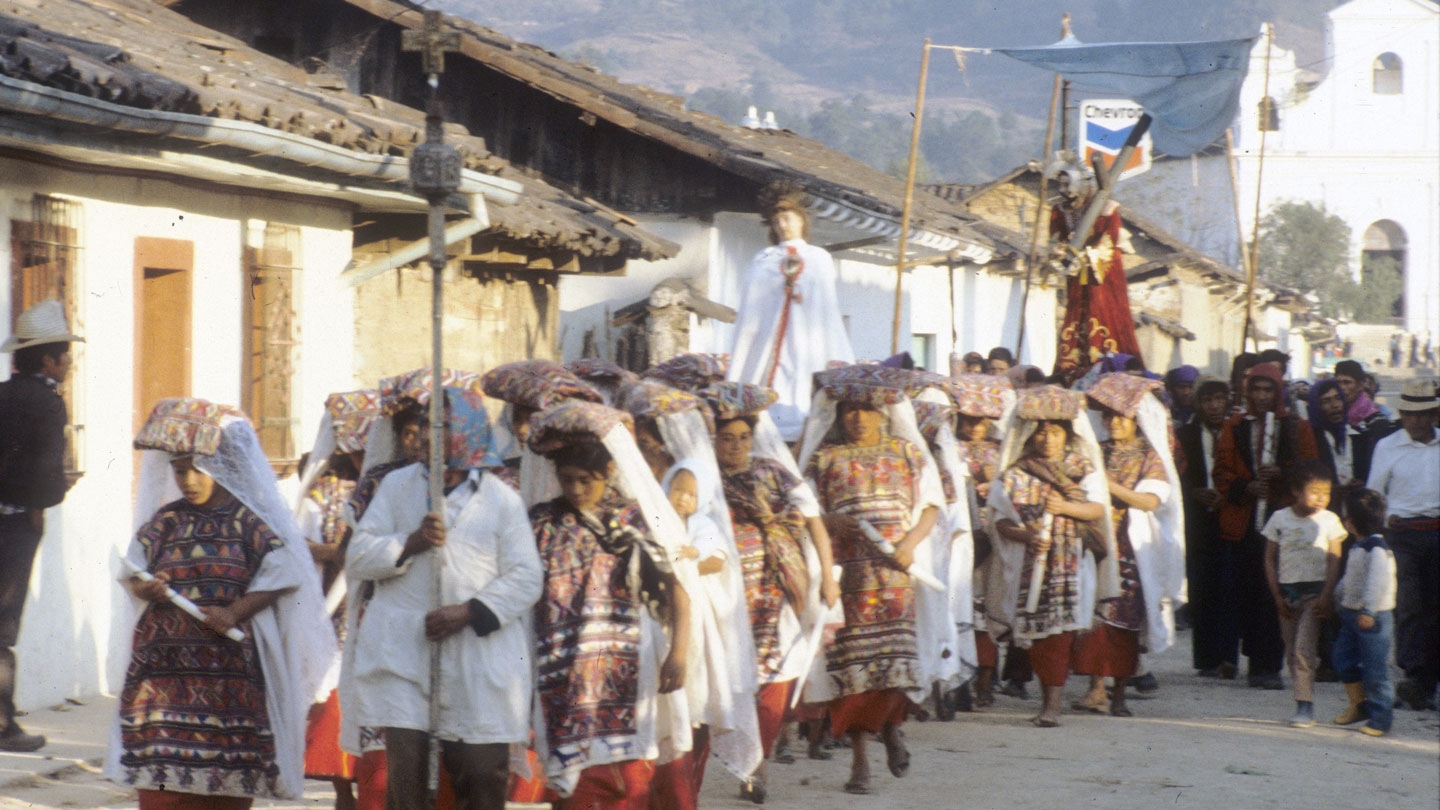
[272, 333]
[44, 265]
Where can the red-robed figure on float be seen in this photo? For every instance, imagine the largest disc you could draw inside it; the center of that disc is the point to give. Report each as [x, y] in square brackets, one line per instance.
[1097, 305]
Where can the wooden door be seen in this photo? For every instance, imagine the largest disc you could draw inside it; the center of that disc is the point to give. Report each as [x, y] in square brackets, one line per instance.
[163, 270]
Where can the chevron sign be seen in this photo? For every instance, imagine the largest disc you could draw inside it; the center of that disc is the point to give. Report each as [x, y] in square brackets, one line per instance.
[1104, 126]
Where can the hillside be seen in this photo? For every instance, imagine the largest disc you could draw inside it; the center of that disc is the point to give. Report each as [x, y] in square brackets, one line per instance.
[844, 71]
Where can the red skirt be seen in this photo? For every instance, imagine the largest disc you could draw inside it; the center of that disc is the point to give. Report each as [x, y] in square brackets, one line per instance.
[323, 757]
[868, 711]
[771, 701]
[677, 783]
[1050, 658]
[614, 786]
[175, 800]
[1107, 652]
[986, 653]
[532, 790]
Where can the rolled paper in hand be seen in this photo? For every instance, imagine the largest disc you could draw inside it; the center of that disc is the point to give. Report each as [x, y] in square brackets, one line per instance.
[887, 548]
[234, 633]
[1037, 568]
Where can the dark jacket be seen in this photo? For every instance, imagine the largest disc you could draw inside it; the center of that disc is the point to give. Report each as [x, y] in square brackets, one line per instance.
[32, 443]
[1236, 462]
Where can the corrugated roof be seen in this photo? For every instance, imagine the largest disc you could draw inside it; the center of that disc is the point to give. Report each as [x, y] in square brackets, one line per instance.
[138, 54]
[761, 156]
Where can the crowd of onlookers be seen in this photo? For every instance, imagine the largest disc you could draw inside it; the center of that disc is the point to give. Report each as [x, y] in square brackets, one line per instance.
[1311, 535]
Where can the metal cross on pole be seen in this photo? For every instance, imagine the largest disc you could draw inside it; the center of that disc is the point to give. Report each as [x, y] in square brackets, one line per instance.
[435, 175]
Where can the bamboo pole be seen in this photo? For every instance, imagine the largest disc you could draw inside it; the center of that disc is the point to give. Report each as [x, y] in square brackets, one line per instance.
[1266, 108]
[1039, 215]
[1239, 223]
[909, 196]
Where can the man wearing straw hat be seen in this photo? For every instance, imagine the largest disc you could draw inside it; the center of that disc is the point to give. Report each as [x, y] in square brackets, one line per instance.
[1405, 468]
[32, 478]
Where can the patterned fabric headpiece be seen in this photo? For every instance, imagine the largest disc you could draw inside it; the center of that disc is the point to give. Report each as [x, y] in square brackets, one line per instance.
[598, 368]
[653, 399]
[469, 442]
[732, 400]
[1048, 402]
[1122, 392]
[414, 386]
[933, 418]
[185, 426]
[351, 415]
[536, 384]
[870, 384]
[981, 394]
[574, 422]
[691, 372]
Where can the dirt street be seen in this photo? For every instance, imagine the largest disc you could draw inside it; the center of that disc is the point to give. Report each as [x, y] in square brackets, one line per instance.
[1194, 744]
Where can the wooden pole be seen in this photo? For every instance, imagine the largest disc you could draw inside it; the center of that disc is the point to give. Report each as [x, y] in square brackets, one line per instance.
[909, 196]
[1039, 216]
[1266, 109]
[1239, 223]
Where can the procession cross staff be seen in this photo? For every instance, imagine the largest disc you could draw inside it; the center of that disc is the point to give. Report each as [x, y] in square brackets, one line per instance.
[435, 175]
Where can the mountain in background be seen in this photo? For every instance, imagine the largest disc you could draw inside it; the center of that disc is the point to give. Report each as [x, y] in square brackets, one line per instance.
[844, 71]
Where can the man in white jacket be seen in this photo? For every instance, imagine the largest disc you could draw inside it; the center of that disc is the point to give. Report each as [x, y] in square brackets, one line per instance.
[490, 579]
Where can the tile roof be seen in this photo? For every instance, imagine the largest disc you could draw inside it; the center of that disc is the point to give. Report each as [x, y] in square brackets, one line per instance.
[138, 54]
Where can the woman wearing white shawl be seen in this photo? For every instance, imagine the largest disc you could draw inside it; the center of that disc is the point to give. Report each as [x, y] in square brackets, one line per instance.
[606, 545]
[882, 495]
[987, 405]
[326, 484]
[720, 683]
[1146, 511]
[780, 543]
[260, 580]
[1050, 504]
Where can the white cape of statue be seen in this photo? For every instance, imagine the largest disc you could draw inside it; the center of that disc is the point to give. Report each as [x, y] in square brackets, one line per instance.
[814, 335]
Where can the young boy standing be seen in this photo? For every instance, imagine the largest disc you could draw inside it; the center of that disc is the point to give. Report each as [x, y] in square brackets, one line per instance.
[1302, 562]
[1367, 604]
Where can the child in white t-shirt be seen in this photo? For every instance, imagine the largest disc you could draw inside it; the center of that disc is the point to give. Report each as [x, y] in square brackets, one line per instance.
[1302, 563]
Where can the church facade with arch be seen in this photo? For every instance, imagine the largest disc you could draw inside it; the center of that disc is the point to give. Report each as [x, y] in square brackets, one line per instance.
[1359, 132]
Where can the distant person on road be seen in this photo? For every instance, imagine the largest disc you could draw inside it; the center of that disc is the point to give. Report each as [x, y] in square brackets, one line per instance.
[32, 479]
[1302, 563]
[1366, 596]
[1210, 561]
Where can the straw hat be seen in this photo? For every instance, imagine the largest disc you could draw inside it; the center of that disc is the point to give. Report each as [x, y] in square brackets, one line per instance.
[40, 324]
[1418, 395]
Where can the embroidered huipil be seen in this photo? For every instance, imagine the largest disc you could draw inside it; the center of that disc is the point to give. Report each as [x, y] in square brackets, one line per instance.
[193, 714]
[880, 483]
[1136, 466]
[769, 525]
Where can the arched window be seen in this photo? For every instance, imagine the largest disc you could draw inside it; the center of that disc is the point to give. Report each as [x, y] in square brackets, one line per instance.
[1268, 115]
[1387, 75]
[1382, 272]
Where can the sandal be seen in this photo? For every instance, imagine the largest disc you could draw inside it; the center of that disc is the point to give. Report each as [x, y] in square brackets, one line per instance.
[1044, 722]
[752, 791]
[818, 751]
[783, 755]
[859, 787]
[897, 756]
[1094, 706]
[1121, 711]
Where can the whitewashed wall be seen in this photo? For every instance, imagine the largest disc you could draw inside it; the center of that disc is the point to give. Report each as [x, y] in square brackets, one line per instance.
[72, 633]
[1367, 157]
